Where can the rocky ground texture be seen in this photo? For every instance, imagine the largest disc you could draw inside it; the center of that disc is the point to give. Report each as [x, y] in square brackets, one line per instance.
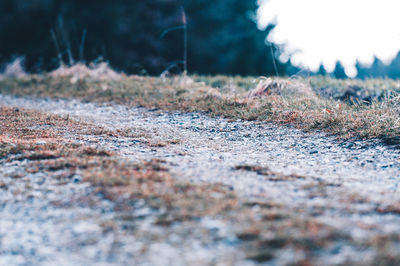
[304, 198]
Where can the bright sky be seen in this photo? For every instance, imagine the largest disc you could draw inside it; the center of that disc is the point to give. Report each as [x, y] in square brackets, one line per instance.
[323, 31]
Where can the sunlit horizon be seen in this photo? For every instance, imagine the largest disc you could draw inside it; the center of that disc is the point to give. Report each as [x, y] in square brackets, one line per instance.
[324, 31]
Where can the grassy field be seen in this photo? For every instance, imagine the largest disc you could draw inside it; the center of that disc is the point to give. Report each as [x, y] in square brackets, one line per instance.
[349, 109]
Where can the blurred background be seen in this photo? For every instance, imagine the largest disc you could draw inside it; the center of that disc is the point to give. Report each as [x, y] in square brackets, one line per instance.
[148, 37]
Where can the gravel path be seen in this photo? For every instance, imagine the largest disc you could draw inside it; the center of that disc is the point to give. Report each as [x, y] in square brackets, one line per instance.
[352, 186]
[45, 221]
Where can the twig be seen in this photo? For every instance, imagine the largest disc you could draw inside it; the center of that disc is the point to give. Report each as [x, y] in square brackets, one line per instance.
[54, 37]
[82, 46]
[66, 40]
[185, 40]
[273, 60]
[165, 32]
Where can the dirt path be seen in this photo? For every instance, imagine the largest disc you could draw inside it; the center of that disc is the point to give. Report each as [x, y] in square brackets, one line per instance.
[350, 186]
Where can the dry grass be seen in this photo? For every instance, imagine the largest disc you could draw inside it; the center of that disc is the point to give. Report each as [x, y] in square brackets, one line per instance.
[283, 101]
[80, 72]
[14, 68]
[271, 175]
[267, 87]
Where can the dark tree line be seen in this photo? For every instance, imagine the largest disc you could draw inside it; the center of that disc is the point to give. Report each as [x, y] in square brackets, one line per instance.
[377, 69]
[223, 37]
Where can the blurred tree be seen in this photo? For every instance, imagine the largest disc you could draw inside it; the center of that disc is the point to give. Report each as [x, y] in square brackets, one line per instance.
[378, 69]
[362, 70]
[321, 70]
[292, 70]
[339, 72]
[393, 70]
[224, 38]
[222, 35]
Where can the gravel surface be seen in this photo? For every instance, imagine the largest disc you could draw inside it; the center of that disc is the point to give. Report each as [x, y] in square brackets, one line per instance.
[352, 186]
[45, 221]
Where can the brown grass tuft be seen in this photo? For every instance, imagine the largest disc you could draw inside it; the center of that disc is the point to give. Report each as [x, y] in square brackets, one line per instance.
[15, 68]
[80, 71]
[282, 87]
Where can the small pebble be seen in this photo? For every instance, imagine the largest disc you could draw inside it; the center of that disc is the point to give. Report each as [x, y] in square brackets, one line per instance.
[76, 178]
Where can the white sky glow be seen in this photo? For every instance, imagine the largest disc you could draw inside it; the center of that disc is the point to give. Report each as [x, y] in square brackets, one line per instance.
[323, 31]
